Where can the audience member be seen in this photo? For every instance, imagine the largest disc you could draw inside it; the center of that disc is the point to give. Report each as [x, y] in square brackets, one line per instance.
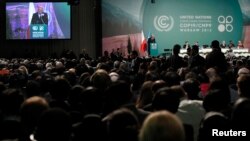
[90, 128]
[190, 109]
[54, 124]
[243, 83]
[175, 61]
[122, 125]
[216, 58]
[196, 61]
[30, 112]
[145, 95]
[162, 126]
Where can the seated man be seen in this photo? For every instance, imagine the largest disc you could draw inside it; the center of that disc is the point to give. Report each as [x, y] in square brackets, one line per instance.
[223, 44]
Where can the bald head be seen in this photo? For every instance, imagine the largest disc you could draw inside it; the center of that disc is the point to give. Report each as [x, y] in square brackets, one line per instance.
[39, 9]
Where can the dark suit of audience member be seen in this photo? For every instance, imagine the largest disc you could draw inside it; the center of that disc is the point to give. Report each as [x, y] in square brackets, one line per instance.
[136, 61]
[175, 61]
[216, 58]
[117, 96]
[240, 117]
[196, 61]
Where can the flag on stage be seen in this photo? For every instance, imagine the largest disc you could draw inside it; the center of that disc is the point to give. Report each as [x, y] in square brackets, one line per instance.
[143, 48]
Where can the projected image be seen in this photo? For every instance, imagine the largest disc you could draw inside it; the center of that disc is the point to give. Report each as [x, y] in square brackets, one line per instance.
[43, 20]
[127, 25]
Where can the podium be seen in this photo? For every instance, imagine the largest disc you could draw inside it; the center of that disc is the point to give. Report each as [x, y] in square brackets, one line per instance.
[38, 31]
[154, 49]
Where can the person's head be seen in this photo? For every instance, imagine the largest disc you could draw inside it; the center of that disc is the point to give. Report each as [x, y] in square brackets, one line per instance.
[243, 71]
[239, 64]
[172, 78]
[134, 54]
[146, 94]
[122, 125]
[195, 49]
[60, 89]
[31, 110]
[100, 79]
[191, 87]
[219, 83]
[152, 36]
[54, 124]
[243, 83]
[162, 126]
[158, 84]
[215, 44]
[211, 73]
[152, 76]
[124, 66]
[153, 66]
[176, 49]
[167, 99]
[91, 100]
[39, 9]
[10, 101]
[212, 120]
[117, 94]
[75, 94]
[218, 93]
[114, 76]
[91, 128]
[32, 88]
[117, 64]
[216, 100]
[241, 114]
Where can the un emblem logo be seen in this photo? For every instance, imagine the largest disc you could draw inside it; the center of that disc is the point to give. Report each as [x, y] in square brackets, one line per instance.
[163, 23]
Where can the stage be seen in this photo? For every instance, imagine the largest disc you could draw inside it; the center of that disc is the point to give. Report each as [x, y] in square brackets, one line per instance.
[235, 51]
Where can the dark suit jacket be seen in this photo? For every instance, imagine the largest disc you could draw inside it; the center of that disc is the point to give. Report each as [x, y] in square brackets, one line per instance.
[42, 20]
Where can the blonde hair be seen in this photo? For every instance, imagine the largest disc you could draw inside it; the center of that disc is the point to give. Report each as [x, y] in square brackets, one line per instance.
[162, 126]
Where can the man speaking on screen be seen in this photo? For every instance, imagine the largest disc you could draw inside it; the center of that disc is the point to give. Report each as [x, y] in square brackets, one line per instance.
[40, 17]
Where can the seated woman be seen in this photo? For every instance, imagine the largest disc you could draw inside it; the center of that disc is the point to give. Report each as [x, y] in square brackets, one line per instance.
[240, 45]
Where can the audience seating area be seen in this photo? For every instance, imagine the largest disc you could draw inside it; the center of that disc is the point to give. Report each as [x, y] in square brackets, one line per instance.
[125, 99]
